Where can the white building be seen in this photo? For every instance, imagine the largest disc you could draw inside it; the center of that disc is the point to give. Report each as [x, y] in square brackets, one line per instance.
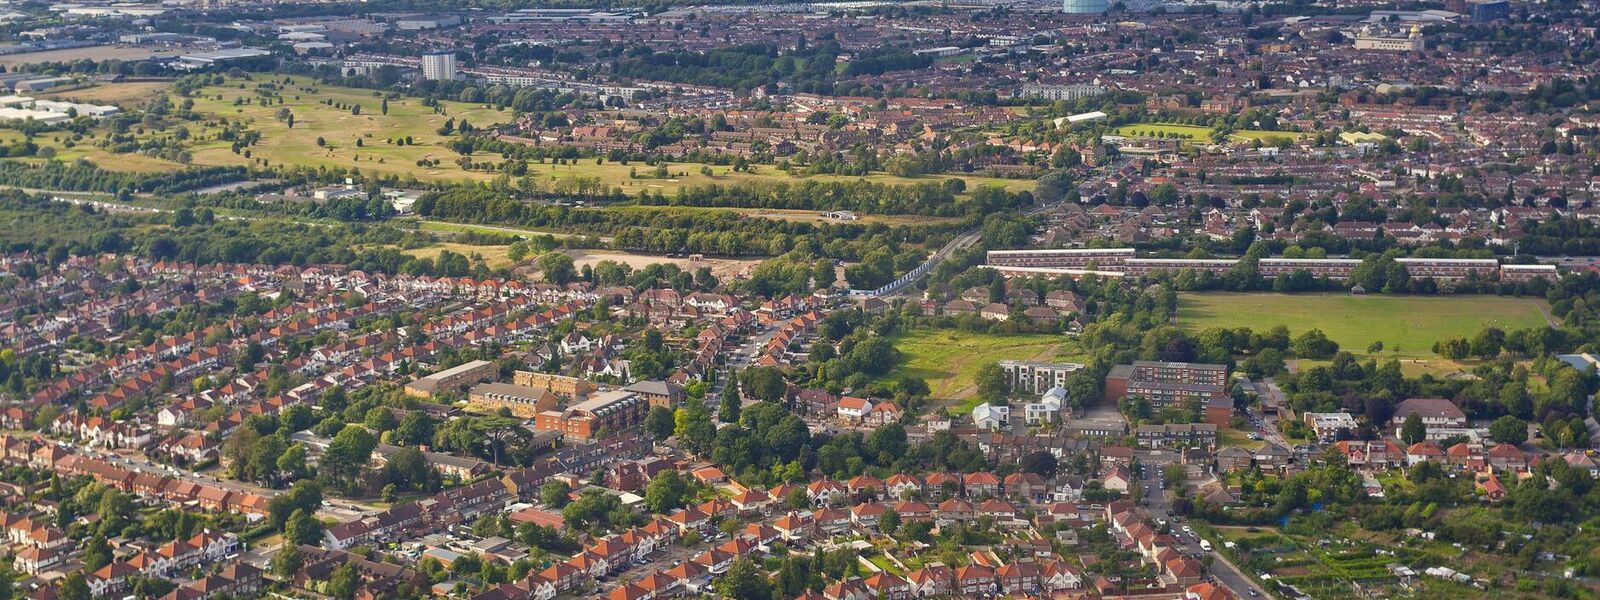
[991, 417]
[1048, 408]
[439, 66]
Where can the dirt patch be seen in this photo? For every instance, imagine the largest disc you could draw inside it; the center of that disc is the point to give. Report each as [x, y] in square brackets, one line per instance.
[723, 268]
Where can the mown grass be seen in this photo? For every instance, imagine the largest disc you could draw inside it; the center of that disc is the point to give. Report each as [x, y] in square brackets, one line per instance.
[1407, 325]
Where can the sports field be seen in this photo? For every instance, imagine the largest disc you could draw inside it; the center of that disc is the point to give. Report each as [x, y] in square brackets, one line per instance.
[1186, 132]
[1407, 325]
[949, 359]
[1199, 134]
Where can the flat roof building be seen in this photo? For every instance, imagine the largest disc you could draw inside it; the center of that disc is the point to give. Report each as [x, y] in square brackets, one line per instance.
[452, 378]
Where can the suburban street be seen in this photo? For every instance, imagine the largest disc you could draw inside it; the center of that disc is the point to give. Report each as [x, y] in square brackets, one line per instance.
[1159, 506]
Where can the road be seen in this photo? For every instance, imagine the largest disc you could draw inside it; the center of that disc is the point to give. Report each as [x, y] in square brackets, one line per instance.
[340, 510]
[1159, 506]
[961, 242]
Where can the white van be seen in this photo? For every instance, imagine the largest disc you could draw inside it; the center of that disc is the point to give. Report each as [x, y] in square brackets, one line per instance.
[1205, 545]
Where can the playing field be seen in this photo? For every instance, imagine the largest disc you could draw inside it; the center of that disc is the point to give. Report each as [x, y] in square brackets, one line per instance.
[1407, 325]
[949, 359]
[1198, 134]
[1187, 132]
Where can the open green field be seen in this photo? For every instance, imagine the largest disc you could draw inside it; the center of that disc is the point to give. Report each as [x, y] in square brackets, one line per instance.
[340, 129]
[281, 145]
[111, 161]
[1199, 134]
[128, 95]
[1188, 132]
[493, 256]
[1407, 325]
[949, 359]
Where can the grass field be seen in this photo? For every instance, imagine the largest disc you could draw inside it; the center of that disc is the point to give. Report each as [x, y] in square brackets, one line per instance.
[340, 129]
[1187, 132]
[1199, 134]
[949, 359]
[126, 95]
[493, 256]
[1407, 325]
[282, 145]
[129, 162]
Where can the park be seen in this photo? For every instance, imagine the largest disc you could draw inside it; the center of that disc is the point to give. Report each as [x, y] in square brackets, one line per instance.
[1406, 325]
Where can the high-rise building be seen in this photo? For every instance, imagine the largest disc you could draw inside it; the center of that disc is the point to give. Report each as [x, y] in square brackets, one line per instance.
[439, 66]
[1083, 7]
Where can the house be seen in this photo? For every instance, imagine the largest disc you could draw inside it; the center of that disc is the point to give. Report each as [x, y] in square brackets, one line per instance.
[1027, 486]
[901, 485]
[1492, 489]
[1118, 479]
[1328, 426]
[932, 580]
[991, 417]
[1424, 451]
[1233, 458]
[1440, 417]
[1048, 408]
[981, 483]
[995, 312]
[882, 413]
[852, 410]
[1508, 457]
[825, 492]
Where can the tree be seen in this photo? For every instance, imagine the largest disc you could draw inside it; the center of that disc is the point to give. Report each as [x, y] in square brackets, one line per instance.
[730, 403]
[408, 469]
[991, 382]
[1042, 463]
[1412, 431]
[666, 492]
[1315, 344]
[343, 582]
[74, 587]
[558, 268]
[380, 419]
[1509, 430]
[416, 428]
[659, 423]
[287, 561]
[889, 521]
[694, 428]
[745, 580]
[302, 529]
[554, 494]
[97, 555]
[763, 383]
[347, 455]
